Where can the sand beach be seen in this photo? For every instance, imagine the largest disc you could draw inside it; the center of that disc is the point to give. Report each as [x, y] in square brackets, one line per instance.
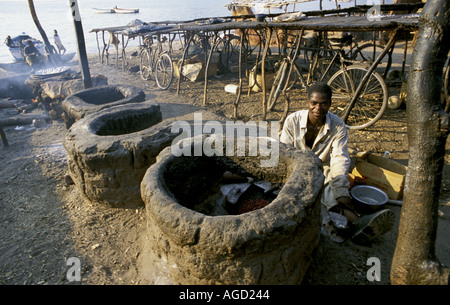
[44, 220]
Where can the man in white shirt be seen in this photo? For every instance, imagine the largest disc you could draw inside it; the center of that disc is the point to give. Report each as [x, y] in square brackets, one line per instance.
[325, 134]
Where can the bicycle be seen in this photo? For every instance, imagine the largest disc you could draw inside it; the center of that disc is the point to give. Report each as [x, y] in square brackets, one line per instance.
[157, 61]
[368, 53]
[229, 47]
[273, 64]
[347, 47]
[370, 103]
[284, 80]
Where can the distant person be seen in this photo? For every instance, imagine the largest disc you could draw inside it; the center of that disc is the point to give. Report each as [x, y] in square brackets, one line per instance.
[9, 41]
[61, 48]
[22, 48]
[33, 57]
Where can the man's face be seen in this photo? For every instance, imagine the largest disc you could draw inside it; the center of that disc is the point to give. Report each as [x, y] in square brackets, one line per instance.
[319, 104]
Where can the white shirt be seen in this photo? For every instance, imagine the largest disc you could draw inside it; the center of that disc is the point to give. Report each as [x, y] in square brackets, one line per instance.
[57, 40]
[330, 146]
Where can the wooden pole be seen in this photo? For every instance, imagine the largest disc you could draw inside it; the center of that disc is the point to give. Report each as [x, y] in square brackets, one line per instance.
[238, 97]
[263, 63]
[98, 46]
[105, 49]
[124, 56]
[372, 68]
[205, 89]
[182, 61]
[82, 56]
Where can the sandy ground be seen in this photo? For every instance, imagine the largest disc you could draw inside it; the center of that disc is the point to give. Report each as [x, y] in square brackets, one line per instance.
[44, 221]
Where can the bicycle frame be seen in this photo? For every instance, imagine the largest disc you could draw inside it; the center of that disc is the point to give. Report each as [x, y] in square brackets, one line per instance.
[281, 82]
[372, 68]
[363, 85]
[156, 60]
[292, 56]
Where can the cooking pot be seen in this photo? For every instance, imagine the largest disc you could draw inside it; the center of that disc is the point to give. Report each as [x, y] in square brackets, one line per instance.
[368, 199]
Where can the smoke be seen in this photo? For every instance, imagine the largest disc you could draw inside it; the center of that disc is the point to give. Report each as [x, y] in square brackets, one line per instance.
[15, 87]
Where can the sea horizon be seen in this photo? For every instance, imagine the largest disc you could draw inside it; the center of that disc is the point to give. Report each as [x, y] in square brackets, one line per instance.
[56, 14]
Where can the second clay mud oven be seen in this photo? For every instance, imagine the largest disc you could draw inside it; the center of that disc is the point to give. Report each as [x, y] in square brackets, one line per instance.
[195, 237]
[109, 151]
[92, 100]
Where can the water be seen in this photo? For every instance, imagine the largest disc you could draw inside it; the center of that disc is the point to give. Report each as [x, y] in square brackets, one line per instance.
[56, 14]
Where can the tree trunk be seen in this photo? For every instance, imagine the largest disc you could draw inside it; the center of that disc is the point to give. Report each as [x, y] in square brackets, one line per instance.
[415, 260]
[52, 54]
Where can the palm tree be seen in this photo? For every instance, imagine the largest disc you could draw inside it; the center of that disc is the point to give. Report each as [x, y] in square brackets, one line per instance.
[50, 49]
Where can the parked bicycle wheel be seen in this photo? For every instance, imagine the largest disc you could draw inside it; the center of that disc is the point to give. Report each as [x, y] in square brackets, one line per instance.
[279, 82]
[283, 82]
[229, 49]
[255, 74]
[367, 53]
[164, 71]
[296, 76]
[145, 66]
[371, 102]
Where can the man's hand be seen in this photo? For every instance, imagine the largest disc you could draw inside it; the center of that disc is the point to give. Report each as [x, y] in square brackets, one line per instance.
[344, 206]
[345, 201]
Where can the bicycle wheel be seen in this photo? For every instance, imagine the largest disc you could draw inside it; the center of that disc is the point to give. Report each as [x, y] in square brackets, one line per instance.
[164, 71]
[279, 82]
[145, 66]
[367, 53]
[229, 51]
[296, 76]
[371, 102]
[255, 74]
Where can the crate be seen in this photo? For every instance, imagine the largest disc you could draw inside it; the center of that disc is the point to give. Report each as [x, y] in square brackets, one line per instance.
[383, 173]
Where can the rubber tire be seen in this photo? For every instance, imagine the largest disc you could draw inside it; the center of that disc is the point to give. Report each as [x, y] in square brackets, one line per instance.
[379, 114]
[164, 68]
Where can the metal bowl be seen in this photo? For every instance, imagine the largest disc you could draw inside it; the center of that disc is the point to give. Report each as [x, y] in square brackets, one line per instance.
[368, 198]
[49, 72]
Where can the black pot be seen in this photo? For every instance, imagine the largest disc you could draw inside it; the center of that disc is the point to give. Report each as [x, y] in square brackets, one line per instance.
[260, 18]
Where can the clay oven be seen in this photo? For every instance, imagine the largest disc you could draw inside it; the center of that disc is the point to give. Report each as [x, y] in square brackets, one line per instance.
[80, 104]
[267, 245]
[109, 151]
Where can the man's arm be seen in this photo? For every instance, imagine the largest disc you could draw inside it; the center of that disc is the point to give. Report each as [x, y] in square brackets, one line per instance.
[340, 163]
[287, 133]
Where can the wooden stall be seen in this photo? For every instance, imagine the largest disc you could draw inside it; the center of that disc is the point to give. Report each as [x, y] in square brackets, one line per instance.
[355, 19]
